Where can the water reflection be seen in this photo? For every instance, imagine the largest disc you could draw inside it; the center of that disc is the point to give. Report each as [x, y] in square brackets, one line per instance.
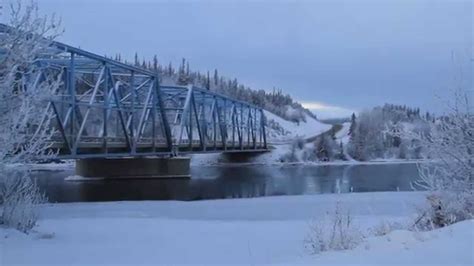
[217, 182]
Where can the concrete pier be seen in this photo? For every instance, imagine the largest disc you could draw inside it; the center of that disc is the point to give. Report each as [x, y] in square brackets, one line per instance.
[175, 167]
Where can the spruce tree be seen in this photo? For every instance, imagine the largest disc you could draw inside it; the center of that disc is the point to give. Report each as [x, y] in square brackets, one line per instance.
[216, 78]
[170, 69]
[208, 81]
[137, 62]
[155, 63]
[353, 125]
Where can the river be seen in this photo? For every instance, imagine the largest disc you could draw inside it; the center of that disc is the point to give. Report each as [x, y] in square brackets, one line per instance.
[234, 181]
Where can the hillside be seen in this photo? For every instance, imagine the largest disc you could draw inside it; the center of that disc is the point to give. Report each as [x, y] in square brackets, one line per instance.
[280, 130]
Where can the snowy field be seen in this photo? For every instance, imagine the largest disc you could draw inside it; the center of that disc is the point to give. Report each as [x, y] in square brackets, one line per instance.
[254, 231]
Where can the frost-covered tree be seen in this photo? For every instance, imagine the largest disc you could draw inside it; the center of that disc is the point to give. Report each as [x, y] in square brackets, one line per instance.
[325, 147]
[366, 139]
[450, 178]
[292, 155]
[376, 133]
[24, 119]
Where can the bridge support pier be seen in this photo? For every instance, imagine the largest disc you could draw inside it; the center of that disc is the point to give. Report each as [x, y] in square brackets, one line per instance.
[176, 167]
[241, 157]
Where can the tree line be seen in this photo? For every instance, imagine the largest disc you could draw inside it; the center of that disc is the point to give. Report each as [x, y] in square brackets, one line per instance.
[274, 101]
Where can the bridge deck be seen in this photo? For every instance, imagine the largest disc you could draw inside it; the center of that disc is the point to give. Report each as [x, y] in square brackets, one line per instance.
[120, 149]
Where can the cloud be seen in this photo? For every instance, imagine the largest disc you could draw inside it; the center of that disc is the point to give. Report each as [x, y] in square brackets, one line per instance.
[323, 110]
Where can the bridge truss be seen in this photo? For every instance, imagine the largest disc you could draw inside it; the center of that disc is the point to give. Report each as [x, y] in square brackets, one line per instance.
[105, 108]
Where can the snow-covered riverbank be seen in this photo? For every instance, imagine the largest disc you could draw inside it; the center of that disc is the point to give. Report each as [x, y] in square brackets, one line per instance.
[241, 232]
[214, 159]
[274, 156]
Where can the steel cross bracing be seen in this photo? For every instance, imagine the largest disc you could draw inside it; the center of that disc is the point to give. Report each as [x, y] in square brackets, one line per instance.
[105, 108]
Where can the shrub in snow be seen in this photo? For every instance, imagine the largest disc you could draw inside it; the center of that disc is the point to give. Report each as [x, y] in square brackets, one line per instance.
[385, 228]
[292, 155]
[309, 154]
[334, 231]
[445, 208]
[19, 196]
[24, 118]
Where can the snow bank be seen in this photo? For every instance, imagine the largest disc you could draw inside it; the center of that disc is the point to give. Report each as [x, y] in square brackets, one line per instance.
[451, 245]
[241, 232]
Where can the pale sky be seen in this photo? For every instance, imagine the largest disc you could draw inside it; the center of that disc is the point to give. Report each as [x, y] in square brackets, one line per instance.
[334, 56]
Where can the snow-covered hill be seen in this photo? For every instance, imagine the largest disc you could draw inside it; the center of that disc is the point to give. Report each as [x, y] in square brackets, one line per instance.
[280, 130]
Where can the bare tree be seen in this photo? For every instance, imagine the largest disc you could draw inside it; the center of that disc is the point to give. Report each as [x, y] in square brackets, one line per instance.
[24, 116]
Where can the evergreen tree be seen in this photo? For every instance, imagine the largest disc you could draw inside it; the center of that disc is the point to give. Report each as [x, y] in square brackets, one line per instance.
[208, 81]
[155, 63]
[353, 125]
[216, 78]
[170, 69]
[183, 78]
[137, 62]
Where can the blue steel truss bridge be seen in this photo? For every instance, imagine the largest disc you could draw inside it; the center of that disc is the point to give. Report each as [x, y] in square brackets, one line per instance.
[108, 109]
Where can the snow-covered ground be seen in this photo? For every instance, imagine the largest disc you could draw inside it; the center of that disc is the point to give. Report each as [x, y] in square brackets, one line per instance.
[254, 231]
[310, 128]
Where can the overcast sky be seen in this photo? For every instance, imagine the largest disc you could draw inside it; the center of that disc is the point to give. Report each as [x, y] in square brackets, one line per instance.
[334, 56]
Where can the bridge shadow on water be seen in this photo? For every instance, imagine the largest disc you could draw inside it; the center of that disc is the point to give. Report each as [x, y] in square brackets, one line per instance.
[221, 182]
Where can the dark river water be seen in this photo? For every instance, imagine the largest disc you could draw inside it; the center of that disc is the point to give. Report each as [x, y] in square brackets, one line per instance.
[219, 182]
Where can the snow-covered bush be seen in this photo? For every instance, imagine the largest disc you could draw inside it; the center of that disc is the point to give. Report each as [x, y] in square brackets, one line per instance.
[24, 118]
[334, 231]
[309, 154]
[384, 228]
[292, 155]
[19, 196]
[445, 208]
